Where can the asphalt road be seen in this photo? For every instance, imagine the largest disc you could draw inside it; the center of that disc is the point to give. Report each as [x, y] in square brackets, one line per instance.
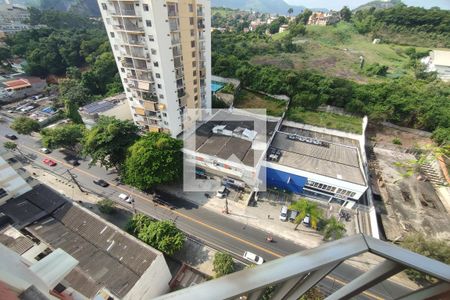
[214, 229]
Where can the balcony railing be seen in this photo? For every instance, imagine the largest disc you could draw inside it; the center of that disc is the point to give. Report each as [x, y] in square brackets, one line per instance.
[292, 276]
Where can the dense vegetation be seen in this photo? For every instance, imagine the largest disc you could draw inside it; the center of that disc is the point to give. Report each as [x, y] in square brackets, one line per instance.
[417, 100]
[401, 20]
[68, 41]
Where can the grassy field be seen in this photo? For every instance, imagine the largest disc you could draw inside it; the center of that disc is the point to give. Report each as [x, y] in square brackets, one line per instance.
[335, 51]
[251, 100]
[327, 120]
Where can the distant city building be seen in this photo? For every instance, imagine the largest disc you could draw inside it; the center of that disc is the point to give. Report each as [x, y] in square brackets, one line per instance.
[13, 18]
[114, 106]
[438, 61]
[283, 28]
[163, 52]
[13, 179]
[324, 18]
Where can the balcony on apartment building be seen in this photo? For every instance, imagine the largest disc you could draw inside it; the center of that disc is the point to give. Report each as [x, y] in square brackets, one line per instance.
[200, 12]
[290, 277]
[176, 51]
[172, 10]
[128, 25]
[124, 11]
[174, 25]
[200, 24]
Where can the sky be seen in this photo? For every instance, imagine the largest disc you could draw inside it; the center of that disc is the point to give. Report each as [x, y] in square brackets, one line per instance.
[338, 4]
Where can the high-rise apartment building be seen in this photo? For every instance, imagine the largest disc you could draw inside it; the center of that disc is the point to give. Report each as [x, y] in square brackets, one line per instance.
[163, 52]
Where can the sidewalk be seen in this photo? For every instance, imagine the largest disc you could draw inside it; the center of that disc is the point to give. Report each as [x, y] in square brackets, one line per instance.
[265, 216]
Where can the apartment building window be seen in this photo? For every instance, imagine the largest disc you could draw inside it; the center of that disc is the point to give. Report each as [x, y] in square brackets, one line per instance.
[104, 6]
[194, 64]
[108, 21]
[192, 32]
[111, 34]
[192, 44]
[151, 38]
[116, 47]
[161, 96]
[193, 53]
[165, 123]
[195, 90]
[164, 115]
[122, 70]
[145, 6]
[153, 51]
[191, 20]
[159, 86]
[194, 73]
[148, 23]
[195, 81]
[158, 75]
[155, 64]
[191, 7]
[195, 97]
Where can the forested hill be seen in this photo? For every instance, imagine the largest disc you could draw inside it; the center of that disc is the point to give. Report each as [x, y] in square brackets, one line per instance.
[378, 4]
[84, 7]
[396, 23]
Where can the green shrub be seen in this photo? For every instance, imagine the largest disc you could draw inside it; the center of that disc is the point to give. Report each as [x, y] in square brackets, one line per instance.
[396, 141]
[106, 206]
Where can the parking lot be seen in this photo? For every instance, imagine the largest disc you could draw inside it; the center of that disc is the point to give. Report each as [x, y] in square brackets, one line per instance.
[39, 108]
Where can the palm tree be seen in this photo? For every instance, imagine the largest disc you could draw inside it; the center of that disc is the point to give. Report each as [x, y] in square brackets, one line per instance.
[305, 207]
[290, 11]
[333, 229]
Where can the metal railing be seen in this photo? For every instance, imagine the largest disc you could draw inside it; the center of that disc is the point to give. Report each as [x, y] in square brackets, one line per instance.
[292, 276]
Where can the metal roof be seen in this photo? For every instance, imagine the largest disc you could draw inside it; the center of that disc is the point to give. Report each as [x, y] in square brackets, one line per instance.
[108, 256]
[98, 107]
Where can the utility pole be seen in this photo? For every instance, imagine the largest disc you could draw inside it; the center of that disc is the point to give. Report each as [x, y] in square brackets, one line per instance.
[74, 180]
[226, 205]
[132, 204]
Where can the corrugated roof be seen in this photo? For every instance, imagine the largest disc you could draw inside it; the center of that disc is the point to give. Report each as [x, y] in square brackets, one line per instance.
[108, 256]
[98, 107]
[14, 240]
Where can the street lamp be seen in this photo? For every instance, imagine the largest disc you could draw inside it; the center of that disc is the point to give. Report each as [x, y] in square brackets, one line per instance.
[132, 204]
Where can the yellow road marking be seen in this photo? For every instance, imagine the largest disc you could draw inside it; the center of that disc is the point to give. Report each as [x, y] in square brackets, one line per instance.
[197, 221]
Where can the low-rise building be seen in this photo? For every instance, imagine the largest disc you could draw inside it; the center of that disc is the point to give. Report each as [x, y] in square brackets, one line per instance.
[114, 106]
[12, 182]
[21, 87]
[283, 28]
[324, 18]
[111, 263]
[306, 160]
[438, 61]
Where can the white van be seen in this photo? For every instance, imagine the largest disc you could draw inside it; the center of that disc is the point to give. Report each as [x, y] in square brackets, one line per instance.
[283, 213]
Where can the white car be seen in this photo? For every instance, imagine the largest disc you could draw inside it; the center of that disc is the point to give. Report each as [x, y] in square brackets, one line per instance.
[253, 258]
[126, 198]
[45, 150]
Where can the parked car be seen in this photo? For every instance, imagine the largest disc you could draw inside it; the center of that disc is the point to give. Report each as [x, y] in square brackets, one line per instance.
[126, 198]
[101, 183]
[49, 162]
[222, 192]
[45, 150]
[253, 258]
[283, 213]
[293, 215]
[11, 136]
[307, 221]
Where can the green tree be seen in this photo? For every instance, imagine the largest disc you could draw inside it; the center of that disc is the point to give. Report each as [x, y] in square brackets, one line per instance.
[303, 17]
[25, 125]
[345, 13]
[223, 264]
[71, 110]
[154, 159]
[290, 11]
[107, 142]
[11, 146]
[66, 136]
[5, 54]
[73, 73]
[136, 223]
[333, 229]
[74, 91]
[106, 206]
[305, 207]
[441, 135]
[427, 246]
[162, 235]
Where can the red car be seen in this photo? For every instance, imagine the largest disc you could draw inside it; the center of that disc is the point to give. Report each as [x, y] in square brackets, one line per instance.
[49, 162]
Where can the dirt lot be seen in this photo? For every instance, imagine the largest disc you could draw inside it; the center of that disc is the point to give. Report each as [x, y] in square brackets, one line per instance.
[408, 204]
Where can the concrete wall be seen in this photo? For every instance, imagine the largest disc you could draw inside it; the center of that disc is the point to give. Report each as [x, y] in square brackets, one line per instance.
[154, 282]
